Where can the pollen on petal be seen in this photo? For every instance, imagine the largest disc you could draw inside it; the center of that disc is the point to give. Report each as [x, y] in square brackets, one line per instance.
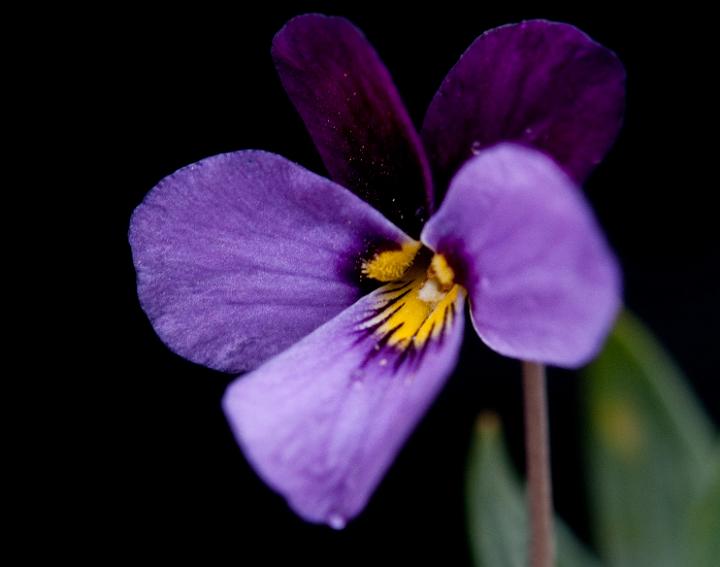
[390, 265]
[441, 271]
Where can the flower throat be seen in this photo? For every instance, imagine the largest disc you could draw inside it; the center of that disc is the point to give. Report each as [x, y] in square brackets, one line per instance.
[418, 299]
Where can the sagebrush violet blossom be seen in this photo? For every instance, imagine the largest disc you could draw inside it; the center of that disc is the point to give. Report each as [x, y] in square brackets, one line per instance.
[345, 298]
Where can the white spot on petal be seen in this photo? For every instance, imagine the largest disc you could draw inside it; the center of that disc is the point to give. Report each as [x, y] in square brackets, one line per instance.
[430, 292]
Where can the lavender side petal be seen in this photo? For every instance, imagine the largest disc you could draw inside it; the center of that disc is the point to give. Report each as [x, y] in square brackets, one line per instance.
[542, 282]
[240, 255]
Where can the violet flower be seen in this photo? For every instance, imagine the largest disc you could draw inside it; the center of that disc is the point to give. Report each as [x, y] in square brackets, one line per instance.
[346, 305]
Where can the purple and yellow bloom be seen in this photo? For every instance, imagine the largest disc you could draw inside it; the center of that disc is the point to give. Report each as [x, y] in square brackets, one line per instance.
[344, 298]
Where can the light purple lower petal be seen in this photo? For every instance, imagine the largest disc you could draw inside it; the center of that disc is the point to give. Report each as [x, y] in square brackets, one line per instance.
[542, 282]
[322, 421]
[240, 255]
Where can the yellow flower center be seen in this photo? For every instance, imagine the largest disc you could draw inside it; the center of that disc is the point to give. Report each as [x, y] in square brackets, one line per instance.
[392, 264]
[418, 304]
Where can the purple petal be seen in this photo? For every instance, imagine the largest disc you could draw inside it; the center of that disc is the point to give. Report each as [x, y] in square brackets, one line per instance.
[542, 282]
[240, 255]
[541, 83]
[322, 421]
[355, 116]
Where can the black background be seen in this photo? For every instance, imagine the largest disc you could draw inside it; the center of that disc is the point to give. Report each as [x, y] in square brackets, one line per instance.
[162, 91]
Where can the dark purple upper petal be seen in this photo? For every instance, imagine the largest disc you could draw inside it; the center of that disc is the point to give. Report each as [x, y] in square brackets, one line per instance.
[541, 83]
[240, 255]
[543, 284]
[355, 116]
[322, 421]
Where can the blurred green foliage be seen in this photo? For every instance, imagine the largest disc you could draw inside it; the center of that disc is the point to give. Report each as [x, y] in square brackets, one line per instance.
[496, 507]
[653, 469]
[651, 453]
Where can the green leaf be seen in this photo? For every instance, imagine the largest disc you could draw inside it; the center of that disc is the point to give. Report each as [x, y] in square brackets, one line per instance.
[703, 523]
[649, 450]
[497, 517]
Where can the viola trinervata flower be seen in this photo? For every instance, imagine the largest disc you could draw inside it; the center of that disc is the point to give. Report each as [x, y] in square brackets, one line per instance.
[341, 298]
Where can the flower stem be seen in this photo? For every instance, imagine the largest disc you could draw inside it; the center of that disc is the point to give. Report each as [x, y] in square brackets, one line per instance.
[537, 449]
